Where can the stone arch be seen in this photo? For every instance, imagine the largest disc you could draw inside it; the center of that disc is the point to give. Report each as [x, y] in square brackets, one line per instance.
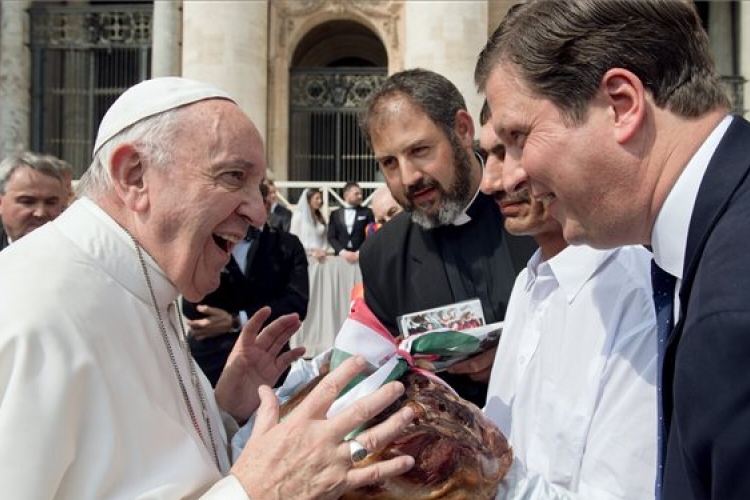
[340, 43]
[297, 26]
[334, 68]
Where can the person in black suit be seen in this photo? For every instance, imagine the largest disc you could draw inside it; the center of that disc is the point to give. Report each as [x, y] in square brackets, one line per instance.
[449, 244]
[347, 225]
[279, 216]
[3, 238]
[31, 194]
[629, 137]
[268, 269]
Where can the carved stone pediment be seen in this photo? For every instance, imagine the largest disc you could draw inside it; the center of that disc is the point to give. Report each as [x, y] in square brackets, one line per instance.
[291, 16]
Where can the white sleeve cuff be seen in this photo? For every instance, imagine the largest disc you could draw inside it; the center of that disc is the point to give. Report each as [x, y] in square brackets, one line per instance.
[228, 488]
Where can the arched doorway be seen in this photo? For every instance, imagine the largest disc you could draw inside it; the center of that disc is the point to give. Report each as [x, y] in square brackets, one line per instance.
[334, 69]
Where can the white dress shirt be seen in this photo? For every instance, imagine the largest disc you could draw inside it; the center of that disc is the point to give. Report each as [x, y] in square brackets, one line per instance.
[573, 383]
[350, 213]
[239, 252]
[670, 232]
[90, 405]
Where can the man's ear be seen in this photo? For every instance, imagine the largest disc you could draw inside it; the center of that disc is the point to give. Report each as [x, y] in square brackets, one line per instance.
[464, 128]
[128, 177]
[626, 98]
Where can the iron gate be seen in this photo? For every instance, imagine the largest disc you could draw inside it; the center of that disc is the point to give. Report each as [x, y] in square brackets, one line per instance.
[325, 141]
[83, 58]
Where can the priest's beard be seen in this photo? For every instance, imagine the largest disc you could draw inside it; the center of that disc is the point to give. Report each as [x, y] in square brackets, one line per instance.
[453, 200]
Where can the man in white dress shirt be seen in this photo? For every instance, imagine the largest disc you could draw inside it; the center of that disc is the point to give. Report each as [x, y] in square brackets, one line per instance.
[99, 396]
[573, 382]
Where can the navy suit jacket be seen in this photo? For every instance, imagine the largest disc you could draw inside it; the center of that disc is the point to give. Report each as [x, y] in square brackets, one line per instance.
[706, 371]
[3, 238]
[339, 238]
[403, 272]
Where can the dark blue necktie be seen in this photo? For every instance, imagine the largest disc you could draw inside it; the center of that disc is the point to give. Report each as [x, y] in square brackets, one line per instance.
[663, 284]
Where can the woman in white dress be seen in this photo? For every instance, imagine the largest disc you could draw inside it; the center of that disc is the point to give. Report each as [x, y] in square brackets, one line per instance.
[309, 224]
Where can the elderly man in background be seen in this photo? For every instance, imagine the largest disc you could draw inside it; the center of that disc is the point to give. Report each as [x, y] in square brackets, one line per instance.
[100, 396]
[31, 194]
[384, 206]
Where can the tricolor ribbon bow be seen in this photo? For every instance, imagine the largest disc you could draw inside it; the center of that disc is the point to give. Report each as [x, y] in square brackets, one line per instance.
[388, 359]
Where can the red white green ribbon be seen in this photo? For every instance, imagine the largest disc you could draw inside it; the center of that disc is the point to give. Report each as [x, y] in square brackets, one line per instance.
[388, 358]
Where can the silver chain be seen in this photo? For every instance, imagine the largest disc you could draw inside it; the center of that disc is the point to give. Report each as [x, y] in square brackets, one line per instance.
[186, 348]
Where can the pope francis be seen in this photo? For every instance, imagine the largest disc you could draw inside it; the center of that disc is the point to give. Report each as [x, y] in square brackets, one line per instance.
[99, 396]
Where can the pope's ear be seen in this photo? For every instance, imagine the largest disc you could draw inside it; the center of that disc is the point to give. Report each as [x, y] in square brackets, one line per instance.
[626, 98]
[128, 177]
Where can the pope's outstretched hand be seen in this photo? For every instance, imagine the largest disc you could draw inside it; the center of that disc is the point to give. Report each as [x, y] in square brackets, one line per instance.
[305, 456]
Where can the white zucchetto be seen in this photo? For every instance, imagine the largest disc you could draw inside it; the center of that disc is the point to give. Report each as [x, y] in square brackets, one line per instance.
[149, 98]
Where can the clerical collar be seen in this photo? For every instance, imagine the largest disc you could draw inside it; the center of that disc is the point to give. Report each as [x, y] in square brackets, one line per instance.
[464, 216]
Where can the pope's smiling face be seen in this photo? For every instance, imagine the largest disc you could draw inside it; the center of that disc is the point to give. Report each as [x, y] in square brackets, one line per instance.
[206, 199]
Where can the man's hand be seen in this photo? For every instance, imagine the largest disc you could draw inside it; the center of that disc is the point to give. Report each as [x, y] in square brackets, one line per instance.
[216, 322]
[319, 254]
[255, 361]
[305, 457]
[351, 257]
[478, 368]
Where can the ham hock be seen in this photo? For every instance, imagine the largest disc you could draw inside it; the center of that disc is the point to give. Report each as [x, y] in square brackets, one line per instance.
[459, 454]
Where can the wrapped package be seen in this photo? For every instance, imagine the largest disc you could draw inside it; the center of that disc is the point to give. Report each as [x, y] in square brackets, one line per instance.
[458, 452]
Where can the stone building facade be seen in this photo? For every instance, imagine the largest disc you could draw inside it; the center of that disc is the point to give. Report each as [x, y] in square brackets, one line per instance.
[297, 67]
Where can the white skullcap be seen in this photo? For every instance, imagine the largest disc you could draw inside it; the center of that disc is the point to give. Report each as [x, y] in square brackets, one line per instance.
[150, 98]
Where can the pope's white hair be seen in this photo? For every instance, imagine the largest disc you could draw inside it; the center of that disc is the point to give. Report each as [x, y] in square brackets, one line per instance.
[152, 137]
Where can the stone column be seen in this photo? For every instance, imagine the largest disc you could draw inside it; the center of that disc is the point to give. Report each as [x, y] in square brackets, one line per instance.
[720, 34]
[446, 36]
[15, 82]
[167, 35]
[230, 51]
[745, 52]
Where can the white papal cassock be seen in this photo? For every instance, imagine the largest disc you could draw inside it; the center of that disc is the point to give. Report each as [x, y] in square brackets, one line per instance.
[91, 407]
